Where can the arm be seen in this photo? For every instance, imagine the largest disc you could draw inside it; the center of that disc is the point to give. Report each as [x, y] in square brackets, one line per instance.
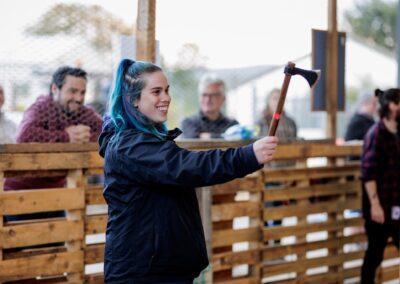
[368, 174]
[33, 126]
[164, 163]
[377, 213]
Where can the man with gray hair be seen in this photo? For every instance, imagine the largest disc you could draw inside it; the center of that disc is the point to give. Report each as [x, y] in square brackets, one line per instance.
[209, 122]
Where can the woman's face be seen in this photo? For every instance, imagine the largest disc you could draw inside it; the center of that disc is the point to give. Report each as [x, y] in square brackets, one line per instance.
[154, 99]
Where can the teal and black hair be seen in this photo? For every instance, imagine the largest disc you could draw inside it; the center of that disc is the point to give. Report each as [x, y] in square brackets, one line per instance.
[385, 98]
[127, 87]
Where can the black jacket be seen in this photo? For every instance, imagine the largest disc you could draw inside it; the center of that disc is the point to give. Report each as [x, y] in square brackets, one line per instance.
[358, 126]
[154, 231]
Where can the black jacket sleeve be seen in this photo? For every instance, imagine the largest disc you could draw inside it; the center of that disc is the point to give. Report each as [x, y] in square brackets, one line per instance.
[164, 163]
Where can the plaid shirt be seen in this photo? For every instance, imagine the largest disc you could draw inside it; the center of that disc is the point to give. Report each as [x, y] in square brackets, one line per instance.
[380, 161]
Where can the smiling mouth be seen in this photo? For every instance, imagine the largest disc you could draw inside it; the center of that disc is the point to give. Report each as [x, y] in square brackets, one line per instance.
[163, 109]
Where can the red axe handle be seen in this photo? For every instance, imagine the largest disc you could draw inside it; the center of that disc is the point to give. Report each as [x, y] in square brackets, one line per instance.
[279, 108]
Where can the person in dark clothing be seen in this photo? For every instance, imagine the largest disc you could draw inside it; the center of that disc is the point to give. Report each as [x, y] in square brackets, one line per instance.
[380, 167]
[363, 118]
[210, 122]
[154, 231]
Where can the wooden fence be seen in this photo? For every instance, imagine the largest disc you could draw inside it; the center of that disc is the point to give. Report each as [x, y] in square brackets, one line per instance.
[319, 239]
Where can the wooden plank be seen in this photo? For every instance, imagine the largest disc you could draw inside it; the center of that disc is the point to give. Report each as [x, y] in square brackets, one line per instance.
[43, 280]
[48, 147]
[95, 160]
[94, 253]
[94, 171]
[280, 212]
[239, 280]
[51, 264]
[95, 224]
[228, 260]
[250, 183]
[273, 252]
[40, 233]
[297, 150]
[308, 173]
[303, 151]
[391, 252]
[391, 273]
[28, 252]
[228, 211]
[334, 225]
[94, 195]
[318, 190]
[326, 278]
[203, 145]
[44, 161]
[97, 278]
[229, 237]
[36, 173]
[295, 266]
[40, 200]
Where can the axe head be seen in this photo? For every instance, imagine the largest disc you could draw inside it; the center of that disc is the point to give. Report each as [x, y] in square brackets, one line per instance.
[311, 76]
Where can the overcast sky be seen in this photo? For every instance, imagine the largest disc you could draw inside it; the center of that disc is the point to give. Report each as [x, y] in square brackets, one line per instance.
[229, 33]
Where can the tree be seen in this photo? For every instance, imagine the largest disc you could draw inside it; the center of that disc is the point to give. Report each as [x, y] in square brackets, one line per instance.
[91, 22]
[374, 20]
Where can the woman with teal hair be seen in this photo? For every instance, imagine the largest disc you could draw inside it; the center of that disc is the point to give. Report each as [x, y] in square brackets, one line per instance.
[154, 231]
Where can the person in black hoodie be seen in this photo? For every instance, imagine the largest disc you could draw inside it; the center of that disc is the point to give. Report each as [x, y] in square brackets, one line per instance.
[363, 118]
[154, 232]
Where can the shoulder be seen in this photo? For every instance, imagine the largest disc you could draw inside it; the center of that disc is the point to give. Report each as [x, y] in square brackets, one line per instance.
[133, 139]
[89, 112]
[44, 100]
[192, 119]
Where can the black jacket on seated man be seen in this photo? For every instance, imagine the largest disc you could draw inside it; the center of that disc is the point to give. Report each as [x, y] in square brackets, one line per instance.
[199, 123]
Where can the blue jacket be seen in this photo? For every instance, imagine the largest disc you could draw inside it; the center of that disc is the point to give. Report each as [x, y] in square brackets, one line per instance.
[154, 231]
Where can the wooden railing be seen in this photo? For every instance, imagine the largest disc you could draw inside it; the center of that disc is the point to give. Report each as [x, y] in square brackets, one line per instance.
[320, 239]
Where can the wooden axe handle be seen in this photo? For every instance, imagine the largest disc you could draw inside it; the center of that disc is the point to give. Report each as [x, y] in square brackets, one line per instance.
[277, 114]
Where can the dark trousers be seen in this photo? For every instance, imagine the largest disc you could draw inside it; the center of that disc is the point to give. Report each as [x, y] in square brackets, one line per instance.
[378, 236]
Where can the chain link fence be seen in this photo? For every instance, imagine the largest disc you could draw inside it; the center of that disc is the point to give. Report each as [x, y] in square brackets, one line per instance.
[94, 38]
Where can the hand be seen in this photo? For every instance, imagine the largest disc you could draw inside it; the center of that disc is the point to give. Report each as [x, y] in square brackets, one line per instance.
[264, 148]
[377, 214]
[78, 133]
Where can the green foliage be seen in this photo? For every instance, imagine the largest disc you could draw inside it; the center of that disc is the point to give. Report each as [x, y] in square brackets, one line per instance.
[90, 22]
[374, 20]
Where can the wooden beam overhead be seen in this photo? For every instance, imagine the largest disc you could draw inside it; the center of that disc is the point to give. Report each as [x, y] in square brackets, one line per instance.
[145, 31]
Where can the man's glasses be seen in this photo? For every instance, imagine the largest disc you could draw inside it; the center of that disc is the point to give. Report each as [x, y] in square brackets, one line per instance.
[211, 95]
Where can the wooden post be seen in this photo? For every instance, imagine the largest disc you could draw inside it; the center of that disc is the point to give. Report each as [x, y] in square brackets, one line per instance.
[76, 179]
[332, 70]
[1, 215]
[204, 196]
[145, 31]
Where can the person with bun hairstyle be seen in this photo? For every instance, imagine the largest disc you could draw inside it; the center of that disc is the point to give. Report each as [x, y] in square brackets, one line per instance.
[154, 231]
[380, 168]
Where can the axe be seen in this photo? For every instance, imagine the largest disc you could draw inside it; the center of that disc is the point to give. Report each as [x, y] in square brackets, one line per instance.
[311, 76]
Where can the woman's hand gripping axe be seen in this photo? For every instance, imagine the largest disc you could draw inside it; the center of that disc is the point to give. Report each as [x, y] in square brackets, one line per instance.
[311, 76]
